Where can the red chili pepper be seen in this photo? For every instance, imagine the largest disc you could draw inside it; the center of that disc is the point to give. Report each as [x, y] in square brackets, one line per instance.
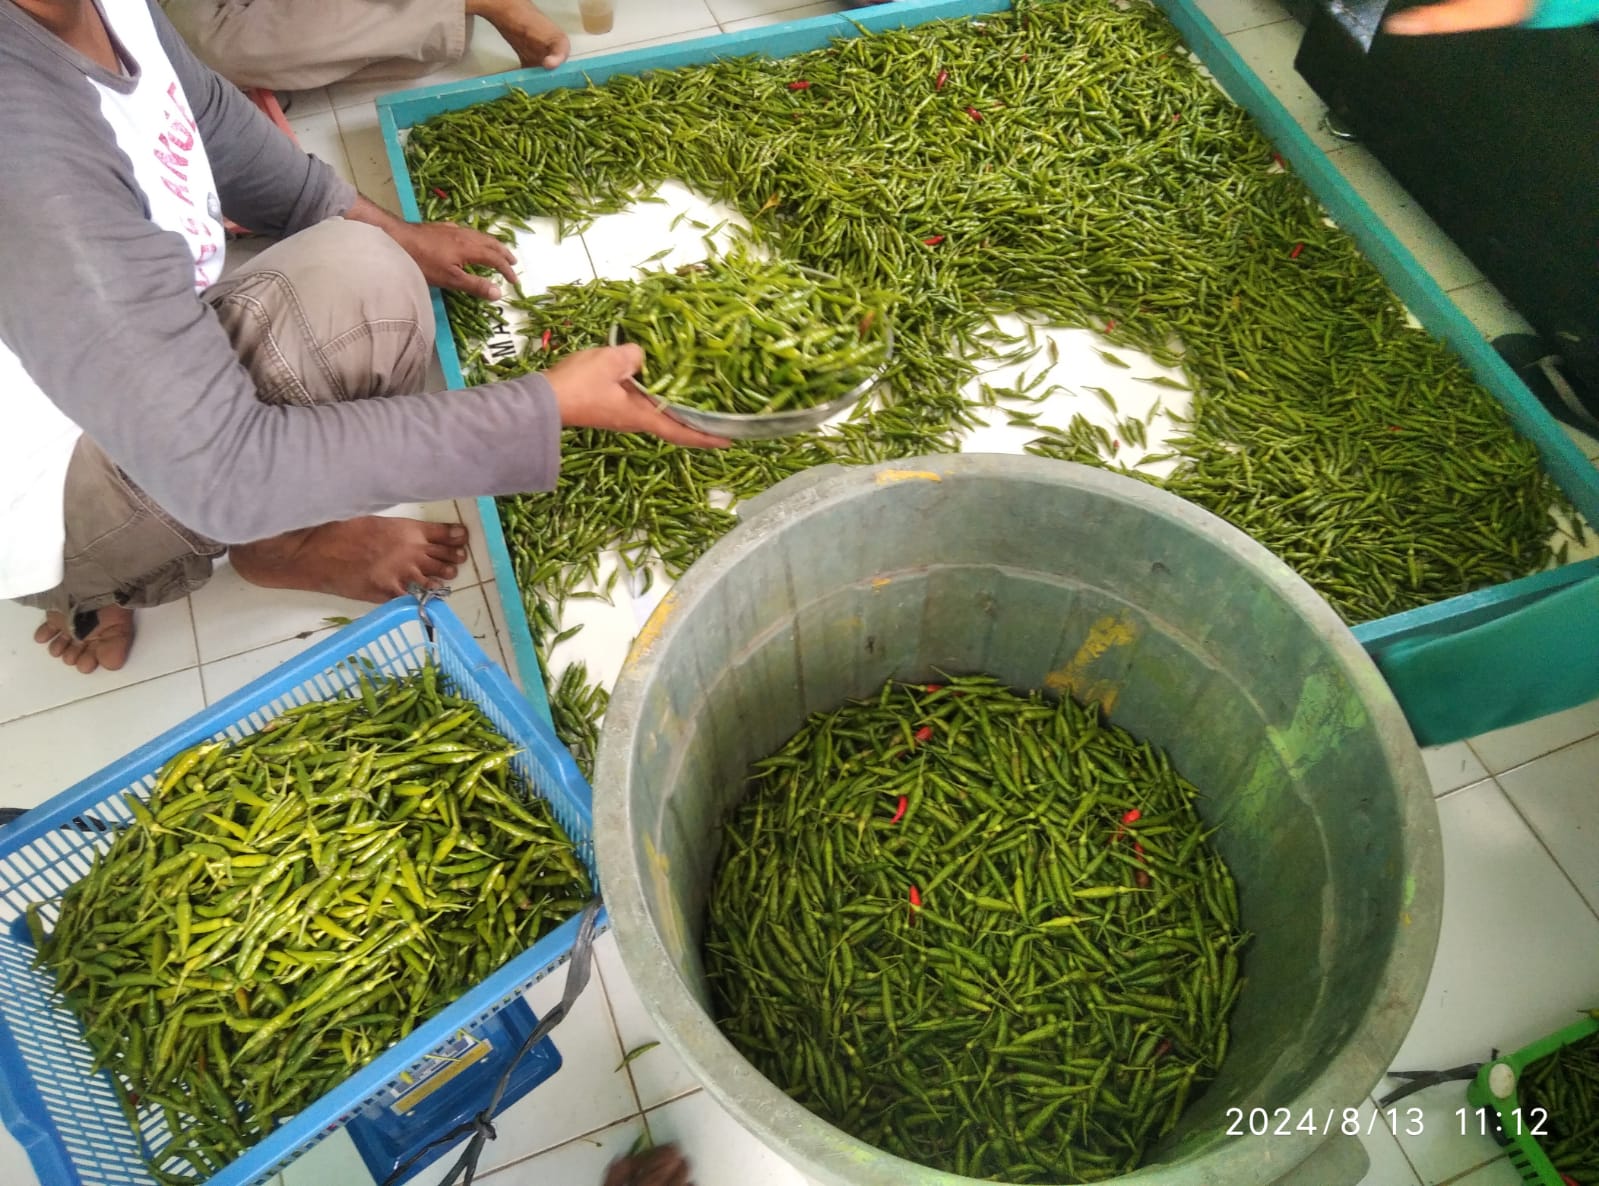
[943, 77]
[1111, 324]
[1278, 157]
[933, 687]
[799, 84]
[916, 902]
[1024, 57]
[544, 342]
[1132, 816]
[975, 114]
[1141, 879]
[440, 194]
[925, 733]
[1176, 116]
[1294, 254]
[1163, 1049]
[1394, 428]
[933, 240]
[899, 812]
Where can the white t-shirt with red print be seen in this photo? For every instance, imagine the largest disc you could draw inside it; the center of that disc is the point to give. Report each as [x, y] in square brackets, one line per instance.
[154, 127]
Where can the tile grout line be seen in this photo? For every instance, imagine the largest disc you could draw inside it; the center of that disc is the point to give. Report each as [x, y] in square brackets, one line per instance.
[305, 636]
[194, 633]
[1495, 774]
[1400, 1145]
[39, 712]
[582, 1136]
[1538, 836]
[1464, 1174]
[682, 1095]
[616, 1027]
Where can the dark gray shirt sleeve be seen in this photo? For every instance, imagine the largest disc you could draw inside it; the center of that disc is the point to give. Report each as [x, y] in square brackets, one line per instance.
[263, 180]
[99, 305]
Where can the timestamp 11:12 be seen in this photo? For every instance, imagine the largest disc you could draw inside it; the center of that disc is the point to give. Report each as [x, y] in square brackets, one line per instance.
[1525, 1122]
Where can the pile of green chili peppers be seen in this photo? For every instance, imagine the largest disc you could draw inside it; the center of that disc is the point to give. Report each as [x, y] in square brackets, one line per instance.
[751, 337]
[287, 906]
[1559, 1098]
[982, 931]
[1066, 162]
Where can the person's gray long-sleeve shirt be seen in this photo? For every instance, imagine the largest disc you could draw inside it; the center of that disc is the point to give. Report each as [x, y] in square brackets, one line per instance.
[99, 305]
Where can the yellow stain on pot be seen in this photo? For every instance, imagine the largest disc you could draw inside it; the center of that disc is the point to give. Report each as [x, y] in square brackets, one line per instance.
[887, 476]
[882, 582]
[667, 910]
[650, 634]
[1077, 678]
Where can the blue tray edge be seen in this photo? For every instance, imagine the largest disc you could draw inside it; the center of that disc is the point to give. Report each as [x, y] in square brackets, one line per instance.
[1564, 461]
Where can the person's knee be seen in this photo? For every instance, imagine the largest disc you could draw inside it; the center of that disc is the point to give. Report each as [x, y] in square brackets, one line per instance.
[337, 311]
[392, 283]
[399, 307]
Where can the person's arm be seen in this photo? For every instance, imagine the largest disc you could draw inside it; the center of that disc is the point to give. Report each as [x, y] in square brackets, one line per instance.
[1464, 16]
[99, 305]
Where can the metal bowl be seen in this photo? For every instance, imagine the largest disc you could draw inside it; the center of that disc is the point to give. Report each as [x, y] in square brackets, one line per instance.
[756, 426]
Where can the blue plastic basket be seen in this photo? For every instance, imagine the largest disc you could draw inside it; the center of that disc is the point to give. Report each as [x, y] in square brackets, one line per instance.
[69, 1120]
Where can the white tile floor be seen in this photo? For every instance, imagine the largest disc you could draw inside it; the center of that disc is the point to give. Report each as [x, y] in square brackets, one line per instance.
[1519, 807]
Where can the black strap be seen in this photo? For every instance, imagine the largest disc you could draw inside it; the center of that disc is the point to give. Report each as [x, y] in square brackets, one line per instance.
[1421, 1080]
[480, 1128]
[1581, 416]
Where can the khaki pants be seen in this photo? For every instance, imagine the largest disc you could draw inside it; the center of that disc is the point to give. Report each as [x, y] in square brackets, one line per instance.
[336, 312]
[297, 45]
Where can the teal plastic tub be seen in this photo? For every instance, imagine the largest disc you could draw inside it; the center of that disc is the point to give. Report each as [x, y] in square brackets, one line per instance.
[1452, 637]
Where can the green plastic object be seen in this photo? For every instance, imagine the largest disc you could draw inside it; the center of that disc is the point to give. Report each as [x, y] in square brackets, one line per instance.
[1537, 659]
[1497, 1086]
[1070, 578]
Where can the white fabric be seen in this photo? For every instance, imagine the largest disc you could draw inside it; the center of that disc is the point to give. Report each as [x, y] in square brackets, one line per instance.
[155, 128]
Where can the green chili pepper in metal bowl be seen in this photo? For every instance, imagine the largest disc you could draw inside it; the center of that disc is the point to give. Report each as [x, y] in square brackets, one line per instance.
[752, 349]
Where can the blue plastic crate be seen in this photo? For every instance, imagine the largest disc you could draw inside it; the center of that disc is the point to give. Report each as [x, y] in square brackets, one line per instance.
[68, 1120]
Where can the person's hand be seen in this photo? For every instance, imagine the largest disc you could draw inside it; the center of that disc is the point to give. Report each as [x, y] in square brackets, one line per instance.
[593, 389]
[1459, 16]
[443, 250]
[660, 1166]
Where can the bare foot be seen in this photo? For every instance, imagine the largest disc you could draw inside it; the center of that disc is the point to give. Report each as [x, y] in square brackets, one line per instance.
[660, 1166]
[537, 40]
[372, 558]
[107, 645]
